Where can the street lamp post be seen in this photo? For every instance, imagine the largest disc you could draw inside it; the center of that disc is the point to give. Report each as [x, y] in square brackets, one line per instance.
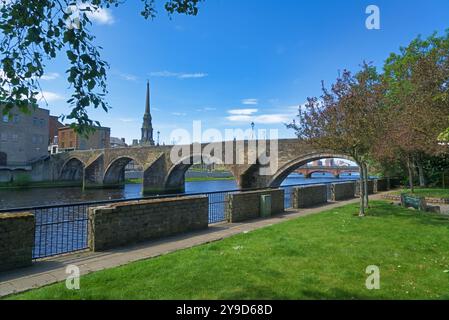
[252, 130]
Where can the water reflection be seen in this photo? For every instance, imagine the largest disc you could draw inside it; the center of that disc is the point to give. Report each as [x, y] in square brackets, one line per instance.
[51, 196]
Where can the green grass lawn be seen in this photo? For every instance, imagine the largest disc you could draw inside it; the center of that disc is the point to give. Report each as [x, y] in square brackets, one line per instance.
[322, 256]
[427, 192]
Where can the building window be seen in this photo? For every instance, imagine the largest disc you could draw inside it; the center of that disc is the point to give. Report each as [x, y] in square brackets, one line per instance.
[34, 139]
[35, 121]
[16, 118]
[41, 122]
[4, 137]
[41, 139]
[15, 137]
[6, 118]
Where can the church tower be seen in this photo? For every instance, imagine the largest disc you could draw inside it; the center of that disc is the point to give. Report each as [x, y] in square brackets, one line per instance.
[147, 127]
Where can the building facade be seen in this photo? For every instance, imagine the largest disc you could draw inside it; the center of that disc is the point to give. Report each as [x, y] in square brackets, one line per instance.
[23, 137]
[53, 127]
[118, 142]
[69, 140]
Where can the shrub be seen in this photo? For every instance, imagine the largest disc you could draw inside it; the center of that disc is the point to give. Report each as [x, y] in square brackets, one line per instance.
[22, 180]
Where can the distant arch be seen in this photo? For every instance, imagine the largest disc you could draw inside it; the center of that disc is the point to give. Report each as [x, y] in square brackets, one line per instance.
[323, 172]
[349, 171]
[115, 172]
[175, 179]
[72, 170]
[283, 172]
[3, 158]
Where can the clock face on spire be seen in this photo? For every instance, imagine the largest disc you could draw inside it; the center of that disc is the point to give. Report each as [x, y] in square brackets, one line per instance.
[147, 126]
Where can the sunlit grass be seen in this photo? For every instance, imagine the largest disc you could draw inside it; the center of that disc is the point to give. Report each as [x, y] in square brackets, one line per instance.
[322, 256]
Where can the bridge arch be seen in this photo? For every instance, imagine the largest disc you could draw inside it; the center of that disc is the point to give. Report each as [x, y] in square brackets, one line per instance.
[3, 159]
[72, 170]
[175, 178]
[114, 174]
[349, 171]
[310, 173]
[285, 170]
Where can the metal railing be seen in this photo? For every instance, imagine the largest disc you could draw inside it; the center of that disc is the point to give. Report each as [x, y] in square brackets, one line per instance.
[61, 229]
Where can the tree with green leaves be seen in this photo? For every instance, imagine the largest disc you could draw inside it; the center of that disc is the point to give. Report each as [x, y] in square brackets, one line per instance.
[346, 119]
[417, 82]
[37, 31]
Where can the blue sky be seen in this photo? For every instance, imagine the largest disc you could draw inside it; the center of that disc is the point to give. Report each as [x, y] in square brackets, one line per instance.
[239, 60]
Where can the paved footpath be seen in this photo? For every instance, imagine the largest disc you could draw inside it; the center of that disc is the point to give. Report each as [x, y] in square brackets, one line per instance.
[51, 270]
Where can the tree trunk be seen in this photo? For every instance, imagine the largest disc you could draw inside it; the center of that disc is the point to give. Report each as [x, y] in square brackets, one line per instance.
[422, 178]
[365, 185]
[361, 191]
[410, 174]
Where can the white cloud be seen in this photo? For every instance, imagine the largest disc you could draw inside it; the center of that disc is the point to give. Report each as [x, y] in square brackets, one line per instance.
[206, 109]
[98, 15]
[242, 111]
[262, 119]
[179, 114]
[101, 16]
[179, 75]
[192, 75]
[128, 77]
[49, 96]
[240, 118]
[250, 101]
[50, 76]
[127, 120]
[164, 74]
[272, 118]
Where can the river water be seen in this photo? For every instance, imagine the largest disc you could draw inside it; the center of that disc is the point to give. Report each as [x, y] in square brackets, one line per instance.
[53, 196]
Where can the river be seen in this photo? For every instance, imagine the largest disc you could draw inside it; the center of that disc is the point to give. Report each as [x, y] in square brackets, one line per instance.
[14, 198]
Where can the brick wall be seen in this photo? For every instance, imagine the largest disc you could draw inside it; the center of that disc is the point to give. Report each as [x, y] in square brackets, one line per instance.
[343, 191]
[132, 222]
[243, 206]
[16, 240]
[309, 196]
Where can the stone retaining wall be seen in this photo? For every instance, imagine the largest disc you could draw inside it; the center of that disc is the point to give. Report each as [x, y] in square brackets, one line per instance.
[396, 197]
[343, 191]
[243, 206]
[16, 240]
[382, 185]
[309, 196]
[370, 187]
[132, 222]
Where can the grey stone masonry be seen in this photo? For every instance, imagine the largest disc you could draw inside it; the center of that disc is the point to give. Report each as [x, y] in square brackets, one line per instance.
[343, 191]
[136, 221]
[16, 240]
[309, 196]
[244, 206]
[370, 187]
[382, 185]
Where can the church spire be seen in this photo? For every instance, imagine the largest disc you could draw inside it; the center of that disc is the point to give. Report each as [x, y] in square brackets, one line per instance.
[147, 127]
[147, 104]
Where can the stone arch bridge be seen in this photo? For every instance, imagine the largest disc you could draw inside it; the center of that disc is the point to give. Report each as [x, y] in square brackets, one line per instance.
[336, 171]
[265, 166]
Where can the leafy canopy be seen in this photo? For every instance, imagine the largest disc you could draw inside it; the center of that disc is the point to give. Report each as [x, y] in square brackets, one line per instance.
[36, 31]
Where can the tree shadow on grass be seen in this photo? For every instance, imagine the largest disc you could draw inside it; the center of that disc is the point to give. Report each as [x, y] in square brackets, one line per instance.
[250, 292]
[384, 209]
